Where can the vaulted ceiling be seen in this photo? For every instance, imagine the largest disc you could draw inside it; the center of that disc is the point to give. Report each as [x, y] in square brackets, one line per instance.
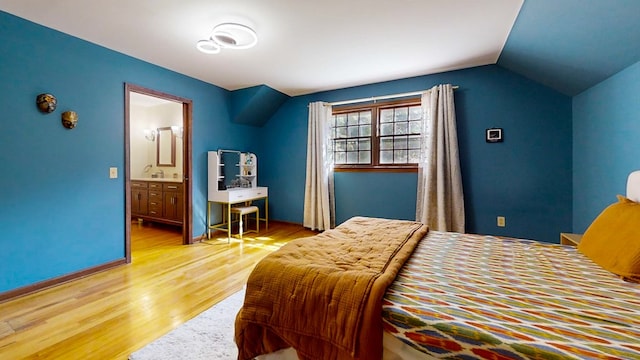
[306, 47]
[571, 45]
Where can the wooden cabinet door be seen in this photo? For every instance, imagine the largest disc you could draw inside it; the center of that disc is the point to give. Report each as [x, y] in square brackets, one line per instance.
[173, 201]
[179, 206]
[139, 202]
[173, 206]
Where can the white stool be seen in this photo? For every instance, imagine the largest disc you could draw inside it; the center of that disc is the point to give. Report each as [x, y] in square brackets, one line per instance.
[243, 211]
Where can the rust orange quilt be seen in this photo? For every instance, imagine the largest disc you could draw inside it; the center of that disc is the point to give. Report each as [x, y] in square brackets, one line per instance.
[322, 295]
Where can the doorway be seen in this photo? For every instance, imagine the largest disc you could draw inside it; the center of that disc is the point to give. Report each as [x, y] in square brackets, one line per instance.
[176, 169]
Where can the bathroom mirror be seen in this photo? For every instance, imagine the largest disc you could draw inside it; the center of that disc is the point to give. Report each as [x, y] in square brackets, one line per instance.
[166, 142]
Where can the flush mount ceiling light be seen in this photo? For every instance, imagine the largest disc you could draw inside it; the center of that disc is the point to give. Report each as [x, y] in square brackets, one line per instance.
[208, 46]
[228, 36]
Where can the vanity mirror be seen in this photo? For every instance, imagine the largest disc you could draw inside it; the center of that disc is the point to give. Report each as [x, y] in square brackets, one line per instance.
[166, 143]
[233, 169]
[229, 170]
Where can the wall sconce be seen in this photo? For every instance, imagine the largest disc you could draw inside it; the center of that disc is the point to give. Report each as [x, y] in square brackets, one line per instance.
[150, 134]
[177, 131]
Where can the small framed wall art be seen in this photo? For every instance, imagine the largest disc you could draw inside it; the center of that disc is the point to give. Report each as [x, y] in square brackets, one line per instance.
[494, 135]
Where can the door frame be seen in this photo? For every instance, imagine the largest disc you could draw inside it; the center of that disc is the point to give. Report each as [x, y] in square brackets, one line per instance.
[187, 124]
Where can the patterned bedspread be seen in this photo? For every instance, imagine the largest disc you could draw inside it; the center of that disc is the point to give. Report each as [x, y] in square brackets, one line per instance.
[466, 296]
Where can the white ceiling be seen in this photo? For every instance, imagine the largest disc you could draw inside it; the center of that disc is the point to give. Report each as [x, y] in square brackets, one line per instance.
[148, 101]
[304, 46]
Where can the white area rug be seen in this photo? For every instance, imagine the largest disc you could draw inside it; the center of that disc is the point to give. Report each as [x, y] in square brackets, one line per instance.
[206, 336]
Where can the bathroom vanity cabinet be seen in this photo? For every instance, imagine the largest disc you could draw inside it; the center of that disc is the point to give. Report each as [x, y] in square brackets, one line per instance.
[157, 200]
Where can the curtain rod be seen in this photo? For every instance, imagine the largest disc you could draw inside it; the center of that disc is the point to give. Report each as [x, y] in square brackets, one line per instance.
[384, 97]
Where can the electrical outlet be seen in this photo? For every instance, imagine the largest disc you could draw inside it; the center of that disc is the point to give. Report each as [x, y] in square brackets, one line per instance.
[113, 173]
[501, 221]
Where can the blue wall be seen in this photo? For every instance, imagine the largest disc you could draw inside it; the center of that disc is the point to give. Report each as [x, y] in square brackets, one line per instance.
[527, 178]
[606, 145]
[59, 211]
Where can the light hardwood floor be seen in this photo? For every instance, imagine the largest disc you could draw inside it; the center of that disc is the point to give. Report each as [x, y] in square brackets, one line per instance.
[113, 313]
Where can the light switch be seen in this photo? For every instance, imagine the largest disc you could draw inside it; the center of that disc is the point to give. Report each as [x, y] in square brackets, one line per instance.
[113, 173]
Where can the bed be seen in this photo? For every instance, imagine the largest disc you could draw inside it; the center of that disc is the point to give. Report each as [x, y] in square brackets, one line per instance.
[456, 296]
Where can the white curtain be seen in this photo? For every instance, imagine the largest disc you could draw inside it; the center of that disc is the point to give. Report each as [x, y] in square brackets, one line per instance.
[319, 201]
[440, 202]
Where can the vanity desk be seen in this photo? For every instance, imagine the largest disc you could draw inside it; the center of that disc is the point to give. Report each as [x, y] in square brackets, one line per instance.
[232, 178]
[236, 196]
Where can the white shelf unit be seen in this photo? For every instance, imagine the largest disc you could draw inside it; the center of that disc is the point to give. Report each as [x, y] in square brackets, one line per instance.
[215, 172]
[248, 168]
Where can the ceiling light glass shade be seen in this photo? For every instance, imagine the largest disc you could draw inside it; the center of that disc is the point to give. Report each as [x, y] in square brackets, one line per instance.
[234, 36]
[208, 46]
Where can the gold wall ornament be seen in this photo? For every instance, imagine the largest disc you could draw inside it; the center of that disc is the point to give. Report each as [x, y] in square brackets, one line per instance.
[46, 103]
[69, 119]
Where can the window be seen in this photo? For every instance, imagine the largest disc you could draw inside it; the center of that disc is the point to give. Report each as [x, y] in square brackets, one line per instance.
[377, 136]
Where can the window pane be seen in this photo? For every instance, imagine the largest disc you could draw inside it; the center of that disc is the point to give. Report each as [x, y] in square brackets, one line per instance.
[386, 143]
[386, 129]
[365, 144]
[415, 127]
[353, 131]
[341, 145]
[414, 156]
[365, 130]
[365, 117]
[399, 156]
[414, 142]
[400, 128]
[352, 145]
[341, 120]
[402, 114]
[415, 113]
[340, 158]
[386, 115]
[341, 132]
[352, 157]
[365, 157]
[400, 143]
[353, 119]
[386, 157]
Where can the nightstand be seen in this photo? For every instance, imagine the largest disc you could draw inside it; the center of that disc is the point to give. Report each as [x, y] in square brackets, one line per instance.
[570, 239]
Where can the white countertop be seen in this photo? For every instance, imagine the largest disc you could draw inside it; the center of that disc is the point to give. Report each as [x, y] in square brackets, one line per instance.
[169, 179]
